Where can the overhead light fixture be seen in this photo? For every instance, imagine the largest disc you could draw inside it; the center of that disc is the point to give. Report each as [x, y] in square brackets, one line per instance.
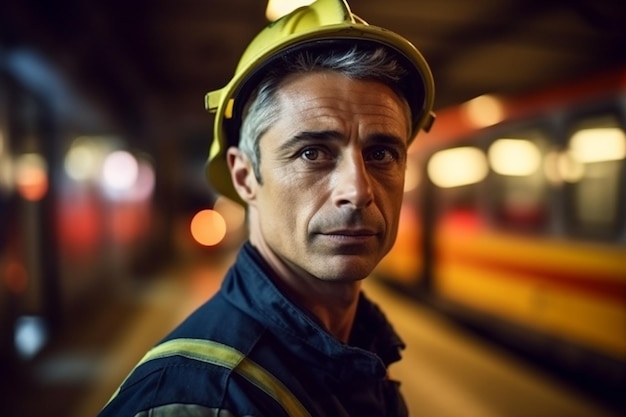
[278, 8]
[483, 111]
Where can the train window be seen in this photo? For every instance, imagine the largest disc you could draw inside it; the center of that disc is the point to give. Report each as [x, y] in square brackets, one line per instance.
[518, 187]
[457, 174]
[595, 188]
[457, 166]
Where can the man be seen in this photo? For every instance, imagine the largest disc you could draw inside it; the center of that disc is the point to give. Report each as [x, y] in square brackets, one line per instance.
[311, 135]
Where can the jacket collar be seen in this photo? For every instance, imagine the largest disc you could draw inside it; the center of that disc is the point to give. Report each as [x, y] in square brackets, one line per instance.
[373, 344]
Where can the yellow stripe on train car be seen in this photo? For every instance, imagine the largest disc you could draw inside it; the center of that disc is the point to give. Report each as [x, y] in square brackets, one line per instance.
[568, 290]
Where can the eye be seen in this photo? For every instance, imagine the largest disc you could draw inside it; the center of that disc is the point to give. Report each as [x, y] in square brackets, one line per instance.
[381, 155]
[315, 154]
[310, 154]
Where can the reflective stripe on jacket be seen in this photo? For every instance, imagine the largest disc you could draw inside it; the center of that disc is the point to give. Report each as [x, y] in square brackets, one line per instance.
[249, 351]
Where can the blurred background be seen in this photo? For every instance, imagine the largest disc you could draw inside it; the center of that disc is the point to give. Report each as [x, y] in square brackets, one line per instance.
[508, 279]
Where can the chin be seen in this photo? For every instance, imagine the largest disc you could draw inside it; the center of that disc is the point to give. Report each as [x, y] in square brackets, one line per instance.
[347, 273]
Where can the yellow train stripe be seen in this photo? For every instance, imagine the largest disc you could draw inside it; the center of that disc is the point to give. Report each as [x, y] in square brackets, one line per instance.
[567, 289]
[549, 309]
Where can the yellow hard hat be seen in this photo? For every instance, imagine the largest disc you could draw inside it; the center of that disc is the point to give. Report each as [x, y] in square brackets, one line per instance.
[322, 22]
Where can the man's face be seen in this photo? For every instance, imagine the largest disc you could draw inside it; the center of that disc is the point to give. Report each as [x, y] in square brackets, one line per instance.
[332, 172]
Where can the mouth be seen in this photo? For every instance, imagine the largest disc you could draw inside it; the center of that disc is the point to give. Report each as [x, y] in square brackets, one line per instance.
[349, 241]
[351, 232]
[350, 235]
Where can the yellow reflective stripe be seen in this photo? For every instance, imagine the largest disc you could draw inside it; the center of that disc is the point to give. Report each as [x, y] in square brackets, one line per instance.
[198, 349]
[226, 356]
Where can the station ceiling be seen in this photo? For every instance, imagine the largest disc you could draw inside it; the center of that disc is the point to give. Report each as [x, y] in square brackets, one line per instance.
[151, 61]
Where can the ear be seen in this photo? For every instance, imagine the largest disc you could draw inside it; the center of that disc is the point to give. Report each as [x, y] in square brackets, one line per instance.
[242, 174]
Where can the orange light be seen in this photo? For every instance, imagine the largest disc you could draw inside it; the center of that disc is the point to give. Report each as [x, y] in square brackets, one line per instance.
[31, 177]
[208, 227]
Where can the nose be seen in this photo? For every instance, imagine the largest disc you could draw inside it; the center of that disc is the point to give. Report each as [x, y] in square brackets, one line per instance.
[353, 185]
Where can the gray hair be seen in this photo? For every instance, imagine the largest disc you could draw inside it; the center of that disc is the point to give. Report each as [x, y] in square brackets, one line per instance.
[262, 109]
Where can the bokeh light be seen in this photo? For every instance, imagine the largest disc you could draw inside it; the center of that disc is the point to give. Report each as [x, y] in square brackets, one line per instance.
[514, 157]
[119, 172]
[457, 166]
[208, 227]
[483, 111]
[31, 176]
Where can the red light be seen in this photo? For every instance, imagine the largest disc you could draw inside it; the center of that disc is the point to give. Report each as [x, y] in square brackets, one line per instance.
[16, 277]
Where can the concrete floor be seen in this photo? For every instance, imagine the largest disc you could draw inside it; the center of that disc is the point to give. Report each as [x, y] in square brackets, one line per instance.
[448, 371]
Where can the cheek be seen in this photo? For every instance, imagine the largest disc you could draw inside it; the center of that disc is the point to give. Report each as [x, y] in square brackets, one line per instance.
[281, 199]
[391, 184]
[391, 210]
[390, 198]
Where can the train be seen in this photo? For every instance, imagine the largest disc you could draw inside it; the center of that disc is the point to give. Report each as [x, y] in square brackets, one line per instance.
[514, 223]
[90, 209]
[77, 215]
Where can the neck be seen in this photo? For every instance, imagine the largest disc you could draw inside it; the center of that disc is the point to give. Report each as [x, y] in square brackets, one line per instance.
[336, 318]
[332, 304]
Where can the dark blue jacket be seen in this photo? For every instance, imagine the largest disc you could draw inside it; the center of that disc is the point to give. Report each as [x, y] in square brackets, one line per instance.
[249, 351]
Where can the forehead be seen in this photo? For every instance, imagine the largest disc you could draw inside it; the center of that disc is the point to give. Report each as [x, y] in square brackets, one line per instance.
[337, 102]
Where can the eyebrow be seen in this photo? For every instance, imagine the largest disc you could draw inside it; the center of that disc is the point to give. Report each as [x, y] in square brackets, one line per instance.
[322, 135]
[390, 139]
[330, 135]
